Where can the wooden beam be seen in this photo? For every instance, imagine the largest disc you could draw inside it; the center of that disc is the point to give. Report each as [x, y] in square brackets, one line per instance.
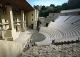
[17, 4]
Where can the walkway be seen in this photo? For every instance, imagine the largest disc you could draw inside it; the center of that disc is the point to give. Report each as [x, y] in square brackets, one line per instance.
[24, 36]
[36, 37]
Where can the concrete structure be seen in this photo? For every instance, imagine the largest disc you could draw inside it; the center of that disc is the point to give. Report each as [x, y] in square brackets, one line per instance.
[15, 17]
[42, 20]
[53, 16]
[71, 12]
[32, 18]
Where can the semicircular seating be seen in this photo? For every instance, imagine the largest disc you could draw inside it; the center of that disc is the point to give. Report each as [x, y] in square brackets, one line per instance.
[62, 30]
[53, 33]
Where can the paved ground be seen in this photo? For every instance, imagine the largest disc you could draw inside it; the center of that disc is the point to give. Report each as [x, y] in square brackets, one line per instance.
[24, 36]
[37, 37]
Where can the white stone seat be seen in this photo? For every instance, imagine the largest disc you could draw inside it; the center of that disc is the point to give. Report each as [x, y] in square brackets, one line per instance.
[73, 19]
[67, 39]
[69, 30]
[57, 36]
[54, 34]
[47, 40]
[61, 18]
[48, 31]
[62, 29]
[78, 32]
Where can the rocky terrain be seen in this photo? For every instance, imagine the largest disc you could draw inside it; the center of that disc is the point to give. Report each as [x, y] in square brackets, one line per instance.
[70, 50]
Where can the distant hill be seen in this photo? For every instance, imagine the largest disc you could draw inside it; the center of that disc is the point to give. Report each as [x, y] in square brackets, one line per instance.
[45, 10]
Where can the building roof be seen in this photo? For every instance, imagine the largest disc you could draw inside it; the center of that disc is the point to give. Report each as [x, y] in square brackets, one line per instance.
[72, 10]
[17, 5]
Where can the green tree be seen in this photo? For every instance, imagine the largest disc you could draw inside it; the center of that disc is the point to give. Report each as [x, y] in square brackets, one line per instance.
[72, 4]
[64, 6]
[35, 6]
[52, 5]
[43, 8]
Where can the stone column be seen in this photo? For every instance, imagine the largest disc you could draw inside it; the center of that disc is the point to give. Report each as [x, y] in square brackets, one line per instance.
[9, 34]
[1, 18]
[10, 16]
[26, 20]
[18, 27]
[22, 20]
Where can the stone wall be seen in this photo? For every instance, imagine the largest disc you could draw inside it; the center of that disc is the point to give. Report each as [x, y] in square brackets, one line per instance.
[32, 18]
[10, 49]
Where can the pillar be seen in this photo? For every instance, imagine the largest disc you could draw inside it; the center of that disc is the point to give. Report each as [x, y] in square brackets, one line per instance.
[18, 27]
[22, 20]
[26, 20]
[9, 34]
[1, 18]
[10, 16]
